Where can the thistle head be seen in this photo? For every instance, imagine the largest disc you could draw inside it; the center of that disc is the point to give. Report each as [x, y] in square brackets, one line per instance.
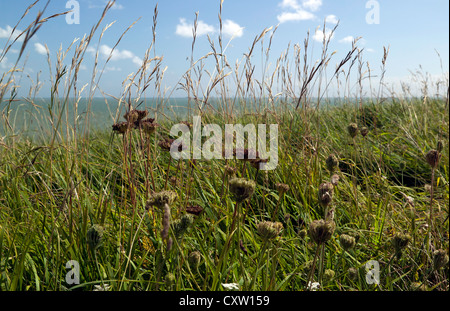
[241, 188]
[269, 230]
[320, 231]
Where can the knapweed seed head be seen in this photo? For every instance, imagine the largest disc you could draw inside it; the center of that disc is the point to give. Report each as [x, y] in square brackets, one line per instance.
[194, 210]
[182, 224]
[325, 193]
[332, 163]
[400, 241]
[230, 171]
[120, 127]
[159, 199]
[320, 231]
[241, 188]
[352, 129]
[364, 131]
[148, 126]
[269, 230]
[352, 273]
[440, 259]
[432, 158]
[335, 180]
[131, 116]
[169, 279]
[328, 275]
[281, 188]
[95, 236]
[194, 259]
[347, 241]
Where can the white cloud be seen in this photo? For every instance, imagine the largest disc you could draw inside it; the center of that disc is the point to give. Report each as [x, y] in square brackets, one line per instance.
[6, 32]
[105, 51]
[40, 48]
[348, 39]
[299, 15]
[319, 35]
[292, 4]
[4, 63]
[331, 19]
[185, 30]
[312, 5]
[370, 50]
[293, 11]
[116, 6]
[231, 29]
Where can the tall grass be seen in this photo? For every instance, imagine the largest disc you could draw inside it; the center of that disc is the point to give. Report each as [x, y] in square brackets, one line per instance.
[92, 196]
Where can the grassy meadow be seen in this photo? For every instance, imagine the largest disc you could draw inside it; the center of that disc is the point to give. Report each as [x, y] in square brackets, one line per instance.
[359, 200]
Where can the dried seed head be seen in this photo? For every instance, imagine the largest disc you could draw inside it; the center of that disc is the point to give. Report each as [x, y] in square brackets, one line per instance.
[148, 126]
[400, 241]
[352, 129]
[328, 275]
[440, 259]
[364, 131]
[335, 180]
[165, 144]
[194, 210]
[95, 236]
[432, 158]
[241, 188]
[159, 199]
[269, 230]
[131, 116]
[325, 193]
[282, 188]
[302, 233]
[194, 259]
[347, 241]
[182, 224]
[332, 162]
[120, 127]
[169, 279]
[230, 171]
[320, 231]
[352, 273]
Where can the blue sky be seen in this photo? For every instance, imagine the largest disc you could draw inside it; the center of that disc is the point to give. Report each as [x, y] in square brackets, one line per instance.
[414, 30]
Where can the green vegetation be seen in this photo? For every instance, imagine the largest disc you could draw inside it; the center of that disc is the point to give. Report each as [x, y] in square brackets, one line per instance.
[135, 219]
